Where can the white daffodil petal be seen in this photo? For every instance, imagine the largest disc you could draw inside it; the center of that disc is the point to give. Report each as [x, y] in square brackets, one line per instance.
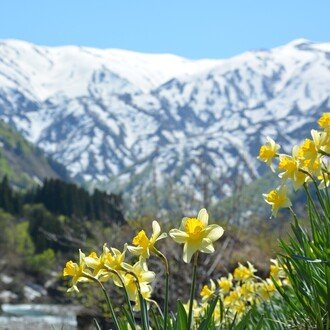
[215, 232]
[188, 251]
[203, 216]
[136, 250]
[207, 246]
[161, 236]
[178, 236]
[147, 277]
[155, 229]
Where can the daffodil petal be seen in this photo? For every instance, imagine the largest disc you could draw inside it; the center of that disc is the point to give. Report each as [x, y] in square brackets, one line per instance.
[214, 232]
[207, 246]
[178, 236]
[147, 277]
[188, 251]
[136, 250]
[161, 236]
[156, 228]
[203, 216]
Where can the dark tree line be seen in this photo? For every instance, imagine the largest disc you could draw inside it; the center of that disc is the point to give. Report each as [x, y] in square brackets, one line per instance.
[62, 198]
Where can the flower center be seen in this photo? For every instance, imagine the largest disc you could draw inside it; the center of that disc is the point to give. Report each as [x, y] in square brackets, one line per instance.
[287, 164]
[141, 239]
[275, 197]
[266, 152]
[194, 228]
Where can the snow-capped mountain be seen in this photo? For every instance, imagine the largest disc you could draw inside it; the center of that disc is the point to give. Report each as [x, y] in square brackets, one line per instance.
[125, 117]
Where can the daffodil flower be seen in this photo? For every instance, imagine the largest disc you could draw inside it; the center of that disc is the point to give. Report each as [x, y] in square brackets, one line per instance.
[268, 151]
[207, 292]
[109, 259]
[289, 166]
[196, 235]
[243, 273]
[278, 199]
[324, 121]
[142, 245]
[76, 271]
[225, 283]
[138, 272]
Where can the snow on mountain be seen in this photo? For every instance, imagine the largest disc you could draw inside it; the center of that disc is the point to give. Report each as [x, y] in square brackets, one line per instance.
[128, 118]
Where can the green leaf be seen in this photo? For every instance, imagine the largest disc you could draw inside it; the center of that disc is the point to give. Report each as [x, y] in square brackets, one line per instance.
[181, 317]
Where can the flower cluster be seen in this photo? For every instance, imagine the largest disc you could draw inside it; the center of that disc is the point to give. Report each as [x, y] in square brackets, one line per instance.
[307, 162]
[136, 279]
[238, 291]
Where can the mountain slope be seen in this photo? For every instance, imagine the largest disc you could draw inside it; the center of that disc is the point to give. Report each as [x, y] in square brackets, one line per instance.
[124, 119]
[22, 163]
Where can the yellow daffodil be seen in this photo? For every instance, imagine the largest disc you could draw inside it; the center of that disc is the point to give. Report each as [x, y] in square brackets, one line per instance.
[290, 167]
[143, 246]
[196, 235]
[309, 149]
[138, 272]
[278, 199]
[239, 307]
[266, 289]
[248, 290]
[268, 151]
[225, 283]
[109, 259]
[208, 292]
[76, 272]
[232, 298]
[324, 121]
[276, 271]
[243, 273]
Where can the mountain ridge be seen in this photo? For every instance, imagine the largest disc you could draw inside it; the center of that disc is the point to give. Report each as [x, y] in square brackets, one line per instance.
[118, 120]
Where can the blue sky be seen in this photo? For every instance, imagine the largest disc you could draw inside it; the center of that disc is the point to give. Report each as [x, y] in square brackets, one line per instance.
[194, 29]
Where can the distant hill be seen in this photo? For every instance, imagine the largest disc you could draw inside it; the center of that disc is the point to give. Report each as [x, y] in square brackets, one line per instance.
[24, 164]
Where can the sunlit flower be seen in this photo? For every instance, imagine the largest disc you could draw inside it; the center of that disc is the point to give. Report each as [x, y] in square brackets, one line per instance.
[268, 151]
[276, 271]
[143, 246]
[109, 259]
[266, 289]
[225, 283]
[76, 272]
[247, 291]
[196, 235]
[289, 168]
[324, 121]
[208, 292]
[138, 272]
[309, 149]
[239, 307]
[232, 298]
[278, 199]
[243, 273]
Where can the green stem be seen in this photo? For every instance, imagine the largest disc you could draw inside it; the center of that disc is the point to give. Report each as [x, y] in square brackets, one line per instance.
[167, 275]
[166, 300]
[112, 311]
[192, 292]
[125, 293]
